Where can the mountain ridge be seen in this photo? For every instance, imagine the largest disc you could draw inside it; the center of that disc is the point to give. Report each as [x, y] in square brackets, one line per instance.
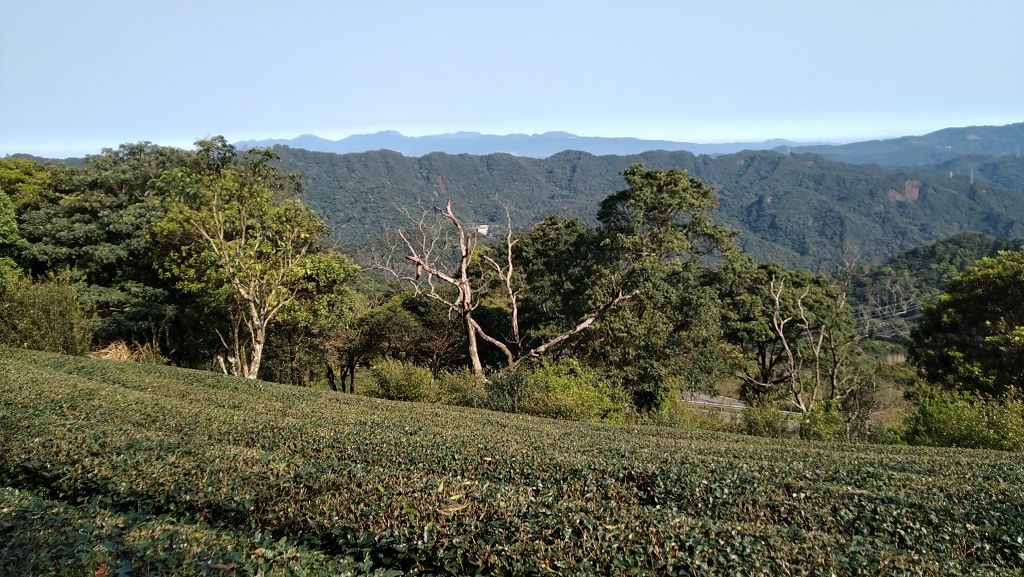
[915, 151]
[539, 145]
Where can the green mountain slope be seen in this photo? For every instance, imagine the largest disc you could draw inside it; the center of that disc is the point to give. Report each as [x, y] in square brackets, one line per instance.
[113, 468]
[800, 210]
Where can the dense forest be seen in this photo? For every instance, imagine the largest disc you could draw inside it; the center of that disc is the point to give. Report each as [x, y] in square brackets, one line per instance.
[603, 288]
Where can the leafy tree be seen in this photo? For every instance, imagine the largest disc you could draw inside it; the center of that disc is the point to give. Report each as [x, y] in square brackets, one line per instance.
[241, 239]
[317, 322]
[972, 337]
[660, 243]
[26, 182]
[97, 220]
[559, 260]
[440, 258]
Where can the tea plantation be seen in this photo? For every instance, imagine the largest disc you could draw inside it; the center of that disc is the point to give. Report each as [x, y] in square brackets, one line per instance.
[124, 469]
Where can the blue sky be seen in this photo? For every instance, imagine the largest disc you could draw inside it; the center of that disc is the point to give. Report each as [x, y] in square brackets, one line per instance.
[77, 76]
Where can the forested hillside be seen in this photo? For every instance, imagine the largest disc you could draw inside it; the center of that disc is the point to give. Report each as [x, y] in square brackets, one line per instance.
[798, 210]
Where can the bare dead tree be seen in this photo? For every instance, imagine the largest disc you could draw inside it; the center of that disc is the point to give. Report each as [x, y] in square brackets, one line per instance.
[434, 258]
[793, 358]
[505, 272]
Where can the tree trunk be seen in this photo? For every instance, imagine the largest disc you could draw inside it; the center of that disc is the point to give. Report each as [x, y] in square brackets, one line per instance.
[474, 351]
[330, 377]
[259, 338]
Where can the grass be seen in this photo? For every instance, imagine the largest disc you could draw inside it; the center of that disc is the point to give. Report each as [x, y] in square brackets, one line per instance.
[120, 468]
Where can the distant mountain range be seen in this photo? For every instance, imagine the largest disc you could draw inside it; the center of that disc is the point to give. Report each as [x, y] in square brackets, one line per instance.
[904, 152]
[526, 145]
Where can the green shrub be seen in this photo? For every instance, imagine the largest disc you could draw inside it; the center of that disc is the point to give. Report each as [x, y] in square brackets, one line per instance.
[765, 420]
[461, 388]
[10, 274]
[506, 391]
[883, 434]
[825, 422]
[562, 390]
[403, 381]
[960, 419]
[44, 316]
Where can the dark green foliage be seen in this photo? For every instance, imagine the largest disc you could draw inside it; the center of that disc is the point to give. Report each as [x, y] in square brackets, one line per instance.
[659, 243]
[558, 259]
[960, 419]
[42, 536]
[972, 337]
[239, 471]
[317, 327]
[95, 221]
[415, 329]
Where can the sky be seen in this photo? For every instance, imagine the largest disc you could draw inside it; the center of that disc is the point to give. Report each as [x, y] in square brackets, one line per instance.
[80, 75]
